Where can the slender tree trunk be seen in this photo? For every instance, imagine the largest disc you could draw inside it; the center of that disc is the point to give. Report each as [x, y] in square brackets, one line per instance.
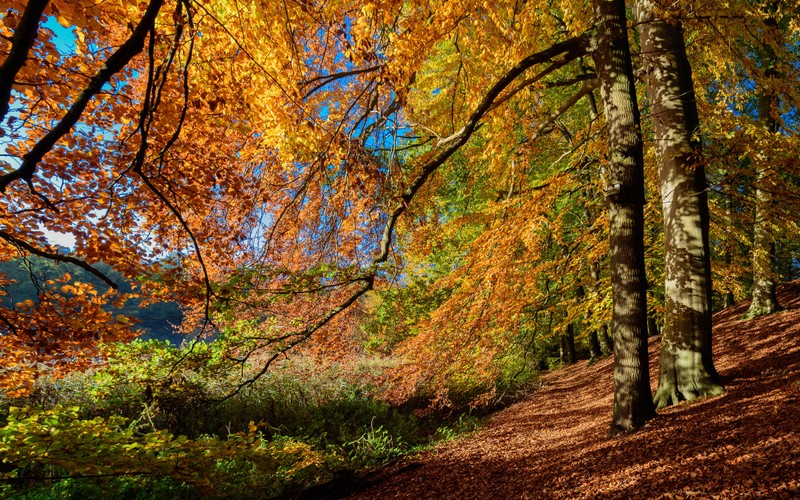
[606, 342]
[765, 301]
[594, 346]
[606, 345]
[652, 327]
[729, 299]
[594, 342]
[686, 370]
[633, 401]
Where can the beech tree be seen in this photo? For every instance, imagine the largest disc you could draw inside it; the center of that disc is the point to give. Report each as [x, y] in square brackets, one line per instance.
[686, 370]
[44, 94]
[764, 300]
[750, 158]
[272, 164]
[633, 401]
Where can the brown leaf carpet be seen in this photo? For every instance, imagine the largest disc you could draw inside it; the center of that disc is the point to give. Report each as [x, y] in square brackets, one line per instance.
[742, 444]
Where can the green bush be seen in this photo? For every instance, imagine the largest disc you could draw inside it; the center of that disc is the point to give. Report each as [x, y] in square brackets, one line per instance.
[312, 420]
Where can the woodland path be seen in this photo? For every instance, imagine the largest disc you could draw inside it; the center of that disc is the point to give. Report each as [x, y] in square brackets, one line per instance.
[743, 444]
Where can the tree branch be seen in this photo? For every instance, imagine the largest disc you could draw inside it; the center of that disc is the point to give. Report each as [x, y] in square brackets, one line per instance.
[577, 44]
[113, 65]
[24, 35]
[586, 88]
[326, 79]
[57, 257]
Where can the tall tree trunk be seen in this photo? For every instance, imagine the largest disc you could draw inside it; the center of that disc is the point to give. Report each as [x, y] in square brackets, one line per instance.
[652, 327]
[686, 370]
[605, 343]
[595, 352]
[729, 299]
[633, 401]
[765, 301]
[594, 342]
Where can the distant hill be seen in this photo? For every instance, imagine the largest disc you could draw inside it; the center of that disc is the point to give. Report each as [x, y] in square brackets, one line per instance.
[158, 320]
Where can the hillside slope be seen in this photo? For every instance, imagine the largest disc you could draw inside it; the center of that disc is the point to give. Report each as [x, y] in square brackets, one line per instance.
[745, 443]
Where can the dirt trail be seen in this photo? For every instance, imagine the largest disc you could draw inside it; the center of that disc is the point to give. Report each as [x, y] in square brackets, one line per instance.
[743, 444]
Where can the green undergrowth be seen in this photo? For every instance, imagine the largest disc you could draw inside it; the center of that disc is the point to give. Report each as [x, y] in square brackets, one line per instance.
[145, 426]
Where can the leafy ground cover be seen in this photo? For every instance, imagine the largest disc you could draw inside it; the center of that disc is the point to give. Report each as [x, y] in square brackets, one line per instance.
[742, 444]
[88, 437]
[145, 426]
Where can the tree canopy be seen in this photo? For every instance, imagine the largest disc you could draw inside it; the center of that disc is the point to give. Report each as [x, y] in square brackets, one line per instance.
[424, 180]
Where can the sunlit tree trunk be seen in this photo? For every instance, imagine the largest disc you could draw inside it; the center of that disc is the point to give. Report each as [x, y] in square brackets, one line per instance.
[765, 301]
[633, 402]
[686, 370]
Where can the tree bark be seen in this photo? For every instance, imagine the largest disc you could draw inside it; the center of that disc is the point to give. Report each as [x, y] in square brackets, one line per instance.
[25, 35]
[686, 370]
[594, 346]
[606, 342]
[764, 299]
[633, 402]
[729, 299]
[652, 327]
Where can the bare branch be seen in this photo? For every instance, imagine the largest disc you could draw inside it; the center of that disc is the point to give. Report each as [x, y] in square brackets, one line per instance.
[57, 257]
[546, 125]
[326, 79]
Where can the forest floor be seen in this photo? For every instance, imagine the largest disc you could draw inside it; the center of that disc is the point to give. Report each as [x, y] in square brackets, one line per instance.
[742, 444]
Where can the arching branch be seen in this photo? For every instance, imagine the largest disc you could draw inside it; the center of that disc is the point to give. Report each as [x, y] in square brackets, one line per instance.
[450, 145]
[57, 258]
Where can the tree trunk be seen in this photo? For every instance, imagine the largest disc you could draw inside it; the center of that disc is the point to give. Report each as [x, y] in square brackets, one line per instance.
[686, 370]
[595, 352]
[606, 342]
[568, 340]
[652, 327]
[606, 345]
[765, 301]
[633, 401]
[729, 299]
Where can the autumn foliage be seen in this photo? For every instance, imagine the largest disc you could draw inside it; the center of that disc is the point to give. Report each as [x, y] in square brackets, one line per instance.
[423, 183]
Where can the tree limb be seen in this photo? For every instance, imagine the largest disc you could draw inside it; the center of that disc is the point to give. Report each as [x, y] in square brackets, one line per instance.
[24, 35]
[57, 257]
[577, 44]
[113, 65]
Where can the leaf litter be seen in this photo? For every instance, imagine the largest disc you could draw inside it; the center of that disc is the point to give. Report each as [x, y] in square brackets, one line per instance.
[742, 444]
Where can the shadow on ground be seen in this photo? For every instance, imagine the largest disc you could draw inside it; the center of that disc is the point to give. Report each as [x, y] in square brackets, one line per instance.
[744, 443]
